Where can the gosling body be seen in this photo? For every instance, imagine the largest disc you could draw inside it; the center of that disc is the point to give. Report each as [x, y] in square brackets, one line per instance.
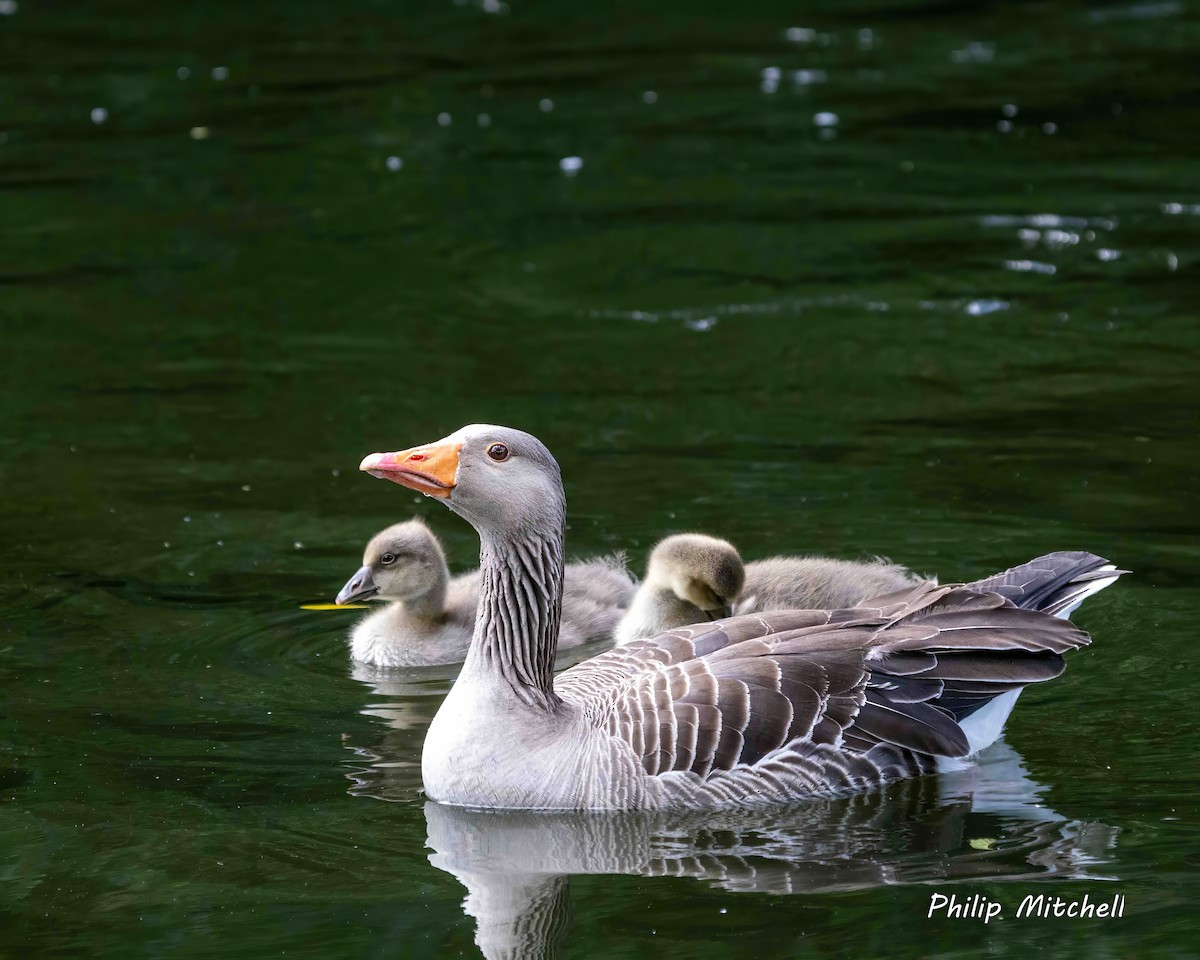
[692, 578]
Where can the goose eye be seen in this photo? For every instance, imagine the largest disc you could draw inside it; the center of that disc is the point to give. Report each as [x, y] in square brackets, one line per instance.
[498, 452]
[387, 559]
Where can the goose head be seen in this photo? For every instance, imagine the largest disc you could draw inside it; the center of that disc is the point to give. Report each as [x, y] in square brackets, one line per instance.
[703, 571]
[503, 481]
[403, 562]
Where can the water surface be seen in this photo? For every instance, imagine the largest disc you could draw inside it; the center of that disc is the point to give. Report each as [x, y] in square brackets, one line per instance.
[916, 280]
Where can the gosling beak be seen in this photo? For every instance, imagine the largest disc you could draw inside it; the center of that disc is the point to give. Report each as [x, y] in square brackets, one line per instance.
[719, 613]
[431, 469]
[361, 586]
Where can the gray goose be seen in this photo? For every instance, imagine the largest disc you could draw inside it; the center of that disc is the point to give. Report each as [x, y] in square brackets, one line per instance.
[431, 616]
[755, 710]
[692, 577]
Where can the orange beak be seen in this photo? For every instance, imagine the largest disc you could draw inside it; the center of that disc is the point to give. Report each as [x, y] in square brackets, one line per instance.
[431, 469]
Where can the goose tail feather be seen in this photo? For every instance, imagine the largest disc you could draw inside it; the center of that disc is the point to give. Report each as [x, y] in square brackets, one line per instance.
[1056, 583]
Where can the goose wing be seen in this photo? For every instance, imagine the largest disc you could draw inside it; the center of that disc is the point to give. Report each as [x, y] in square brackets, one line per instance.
[795, 702]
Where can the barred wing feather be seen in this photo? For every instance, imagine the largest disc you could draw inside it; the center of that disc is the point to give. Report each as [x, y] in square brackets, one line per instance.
[794, 703]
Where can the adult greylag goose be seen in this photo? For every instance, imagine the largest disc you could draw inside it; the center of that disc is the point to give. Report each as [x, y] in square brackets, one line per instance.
[431, 615]
[692, 577]
[755, 710]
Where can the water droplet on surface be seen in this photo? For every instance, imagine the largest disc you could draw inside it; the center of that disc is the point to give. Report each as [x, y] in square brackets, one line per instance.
[199, 133]
[1108, 255]
[187, 519]
[800, 34]
[1009, 110]
[806, 78]
[394, 164]
[99, 115]
[1004, 126]
[974, 52]
[825, 119]
[444, 119]
[220, 73]
[1050, 128]
[245, 488]
[980, 308]
[570, 165]
[545, 104]
[770, 79]
[1030, 266]
[484, 121]
[8, 8]
[183, 73]
[1060, 238]
[649, 96]
[297, 545]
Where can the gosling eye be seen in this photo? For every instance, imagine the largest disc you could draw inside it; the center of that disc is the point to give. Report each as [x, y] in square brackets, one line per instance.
[388, 559]
[498, 452]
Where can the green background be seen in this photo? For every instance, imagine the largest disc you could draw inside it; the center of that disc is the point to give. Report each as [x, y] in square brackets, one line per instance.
[911, 333]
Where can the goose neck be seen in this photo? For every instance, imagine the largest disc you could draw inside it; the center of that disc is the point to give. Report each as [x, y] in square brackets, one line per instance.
[520, 607]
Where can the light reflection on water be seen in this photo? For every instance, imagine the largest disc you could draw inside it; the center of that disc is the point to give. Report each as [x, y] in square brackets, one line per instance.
[269, 259]
[987, 822]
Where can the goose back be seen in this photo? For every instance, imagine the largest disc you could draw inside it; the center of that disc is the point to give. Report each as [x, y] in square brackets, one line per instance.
[763, 709]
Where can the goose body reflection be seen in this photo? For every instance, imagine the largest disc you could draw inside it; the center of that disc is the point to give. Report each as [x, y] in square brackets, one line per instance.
[982, 823]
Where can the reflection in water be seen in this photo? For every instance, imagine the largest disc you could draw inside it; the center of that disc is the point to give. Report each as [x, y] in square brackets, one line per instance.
[985, 821]
[407, 689]
[412, 697]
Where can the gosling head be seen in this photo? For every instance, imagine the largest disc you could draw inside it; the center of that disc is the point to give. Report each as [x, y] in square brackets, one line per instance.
[503, 481]
[403, 562]
[704, 571]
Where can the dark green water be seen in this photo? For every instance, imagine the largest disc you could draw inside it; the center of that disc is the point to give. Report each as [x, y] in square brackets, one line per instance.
[907, 332]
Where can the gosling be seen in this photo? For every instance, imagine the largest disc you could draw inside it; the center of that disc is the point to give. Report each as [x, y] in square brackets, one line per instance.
[430, 615]
[692, 577]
